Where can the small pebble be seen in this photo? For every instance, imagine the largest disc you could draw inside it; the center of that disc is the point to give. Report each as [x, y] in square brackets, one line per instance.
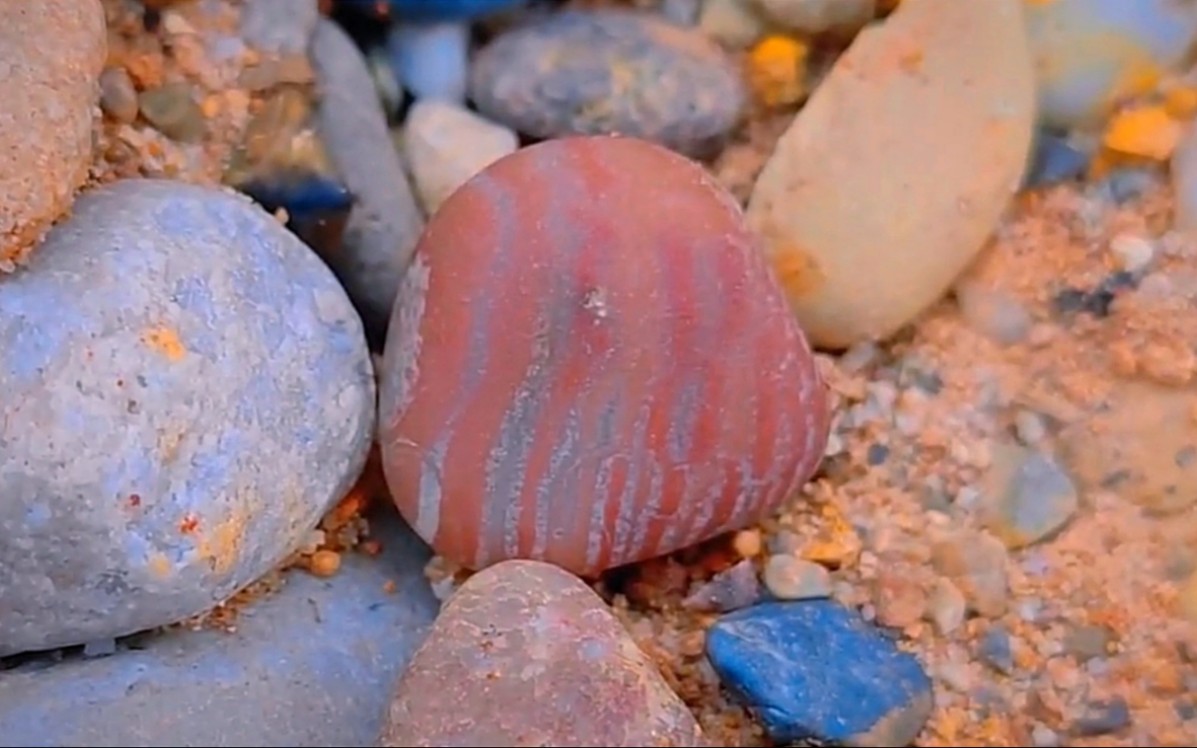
[815, 670]
[99, 648]
[1134, 253]
[995, 649]
[118, 97]
[1103, 718]
[324, 563]
[446, 145]
[1028, 497]
[173, 111]
[946, 606]
[996, 314]
[816, 17]
[1088, 642]
[731, 589]
[733, 23]
[788, 577]
[1055, 159]
[976, 564]
[431, 60]
[1030, 427]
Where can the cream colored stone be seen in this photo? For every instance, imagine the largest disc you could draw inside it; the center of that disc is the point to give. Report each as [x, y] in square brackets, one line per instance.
[895, 173]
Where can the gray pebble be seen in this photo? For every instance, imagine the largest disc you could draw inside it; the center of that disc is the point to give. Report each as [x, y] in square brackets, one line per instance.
[385, 223]
[606, 72]
[1103, 718]
[1088, 642]
[187, 391]
[996, 651]
[174, 112]
[1029, 497]
[118, 97]
[730, 589]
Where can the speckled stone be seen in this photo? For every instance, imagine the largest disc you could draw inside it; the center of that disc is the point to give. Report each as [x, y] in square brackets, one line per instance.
[595, 73]
[186, 390]
[525, 654]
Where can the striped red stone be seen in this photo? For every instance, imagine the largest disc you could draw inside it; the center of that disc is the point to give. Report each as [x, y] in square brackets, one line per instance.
[590, 364]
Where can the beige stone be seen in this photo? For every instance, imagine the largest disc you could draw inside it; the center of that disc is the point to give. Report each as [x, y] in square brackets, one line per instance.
[898, 169]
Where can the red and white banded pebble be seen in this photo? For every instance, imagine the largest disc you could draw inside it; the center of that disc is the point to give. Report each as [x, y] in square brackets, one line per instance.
[589, 363]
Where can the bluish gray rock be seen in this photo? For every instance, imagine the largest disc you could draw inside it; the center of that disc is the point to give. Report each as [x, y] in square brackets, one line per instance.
[186, 390]
[315, 664]
[601, 72]
[385, 222]
[431, 59]
[814, 669]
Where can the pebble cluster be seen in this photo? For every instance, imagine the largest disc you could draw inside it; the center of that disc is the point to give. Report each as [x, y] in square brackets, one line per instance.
[546, 276]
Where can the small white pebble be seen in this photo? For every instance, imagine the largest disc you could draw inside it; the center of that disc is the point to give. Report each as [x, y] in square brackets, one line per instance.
[791, 578]
[1030, 427]
[1132, 252]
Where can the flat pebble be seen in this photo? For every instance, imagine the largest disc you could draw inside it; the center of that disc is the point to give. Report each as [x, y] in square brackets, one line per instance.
[814, 669]
[51, 53]
[1028, 496]
[386, 222]
[1092, 54]
[593, 73]
[894, 174]
[1103, 718]
[446, 145]
[187, 390]
[548, 364]
[526, 654]
[788, 577]
[336, 647]
[431, 60]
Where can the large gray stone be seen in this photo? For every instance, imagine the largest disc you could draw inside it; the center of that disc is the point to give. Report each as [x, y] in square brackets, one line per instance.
[184, 390]
[313, 665]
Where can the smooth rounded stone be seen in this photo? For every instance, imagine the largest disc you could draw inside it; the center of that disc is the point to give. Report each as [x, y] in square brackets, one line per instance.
[736, 24]
[281, 27]
[385, 222]
[187, 391]
[51, 55]
[1028, 496]
[525, 654]
[814, 669]
[1091, 55]
[550, 387]
[313, 664]
[819, 16]
[1143, 445]
[446, 145]
[431, 60]
[1184, 182]
[437, 10]
[895, 173]
[593, 73]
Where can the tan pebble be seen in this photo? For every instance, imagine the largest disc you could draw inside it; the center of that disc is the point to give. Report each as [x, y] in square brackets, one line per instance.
[324, 563]
[900, 600]
[1187, 599]
[946, 606]
[1171, 365]
[791, 578]
[976, 563]
[748, 543]
[1123, 360]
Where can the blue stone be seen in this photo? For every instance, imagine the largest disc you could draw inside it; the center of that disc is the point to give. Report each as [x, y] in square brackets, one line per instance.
[313, 664]
[431, 60]
[1054, 160]
[814, 669]
[438, 10]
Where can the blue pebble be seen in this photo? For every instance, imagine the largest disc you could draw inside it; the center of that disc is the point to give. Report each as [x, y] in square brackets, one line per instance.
[438, 10]
[1054, 160]
[431, 60]
[814, 669]
[299, 193]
